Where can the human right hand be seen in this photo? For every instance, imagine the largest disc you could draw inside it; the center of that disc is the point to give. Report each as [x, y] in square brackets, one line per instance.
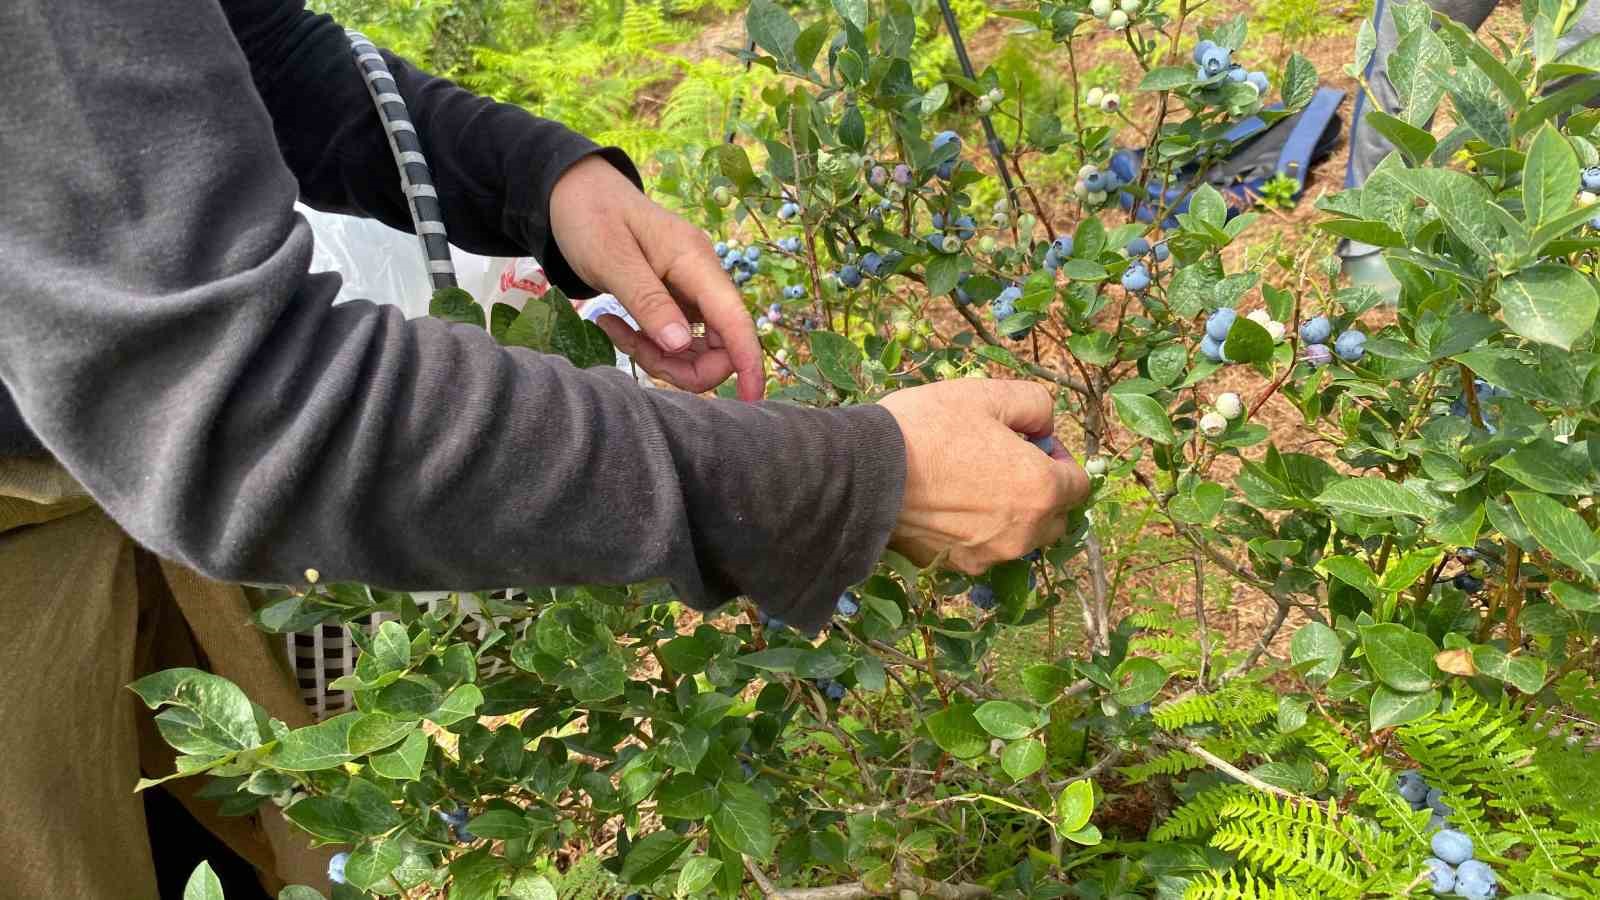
[976, 487]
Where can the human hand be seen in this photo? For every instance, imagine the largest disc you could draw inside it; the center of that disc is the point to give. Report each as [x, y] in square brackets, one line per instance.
[976, 487]
[663, 271]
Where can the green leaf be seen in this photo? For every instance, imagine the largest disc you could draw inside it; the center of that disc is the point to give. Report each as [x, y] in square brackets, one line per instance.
[772, 29]
[328, 818]
[1400, 658]
[1353, 572]
[744, 822]
[1045, 681]
[652, 855]
[391, 647]
[404, 763]
[837, 358]
[854, 12]
[456, 305]
[1376, 497]
[1075, 805]
[1209, 206]
[1404, 572]
[1576, 598]
[734, 164]
[320, 746]
[1165, 78]
[1548, 303]
[1390, 708]
[956, 730]
[203, 884]
[1549, 177]
[1144, 417]
[1525, 673]
[1138, 680]
[1005, 719]
[1461, 201]
[375, 731]
[600, 675]
[897, 30]
[686, 796]
[1199, 505]
[1299, 83]
[299, 892]
[696, 874]
[500, 825]
[1560, 531]
[1551, 467]
[220, 718]
[1417, 70]
[369, 866]
[531, 886]
[1022, 758]
[1416, 144]
[1248, 342]
[463, 701]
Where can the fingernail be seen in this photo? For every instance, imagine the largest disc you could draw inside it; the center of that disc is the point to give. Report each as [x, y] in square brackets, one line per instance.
[675, 337]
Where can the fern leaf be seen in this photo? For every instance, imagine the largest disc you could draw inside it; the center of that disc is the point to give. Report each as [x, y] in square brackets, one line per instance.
[1238, 886]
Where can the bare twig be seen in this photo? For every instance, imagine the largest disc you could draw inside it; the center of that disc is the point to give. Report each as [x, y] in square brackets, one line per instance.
[1038, 371]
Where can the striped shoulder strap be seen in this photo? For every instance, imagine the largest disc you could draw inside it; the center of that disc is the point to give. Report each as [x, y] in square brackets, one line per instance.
[415, 177]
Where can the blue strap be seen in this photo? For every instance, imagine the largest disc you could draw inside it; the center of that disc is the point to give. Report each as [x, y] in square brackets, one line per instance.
[1301, 147]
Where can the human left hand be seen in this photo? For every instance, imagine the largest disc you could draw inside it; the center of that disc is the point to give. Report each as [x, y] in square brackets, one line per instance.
[663, 271]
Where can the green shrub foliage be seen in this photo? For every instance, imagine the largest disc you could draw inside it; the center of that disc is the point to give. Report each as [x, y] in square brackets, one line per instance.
[1425, 531]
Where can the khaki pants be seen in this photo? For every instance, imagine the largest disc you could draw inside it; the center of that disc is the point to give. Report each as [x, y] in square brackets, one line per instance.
[83, 612]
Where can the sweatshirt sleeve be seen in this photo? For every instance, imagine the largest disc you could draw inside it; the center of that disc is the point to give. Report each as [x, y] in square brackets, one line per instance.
[493, 164]
[159, 333]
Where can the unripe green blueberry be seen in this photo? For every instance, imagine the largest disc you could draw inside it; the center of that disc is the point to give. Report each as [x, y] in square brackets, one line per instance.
[918, 343]
[1002, 205]
[1230, 406]
[1131, 6]
[1111, 103]
[1213, 424]
[945, 369]
[976, 373]
[996, 95]
[1096, 197]
[950, 244]
[1095, 466]
[1025, 223]
[1118, 20]
[1000, 220]
[722, 196]
[986, 245]
[985, 106]
[1092, 97]
[1586, 198]
[1100, 8]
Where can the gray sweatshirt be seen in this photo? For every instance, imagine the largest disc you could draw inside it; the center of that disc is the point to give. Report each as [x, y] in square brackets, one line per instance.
[161, 337]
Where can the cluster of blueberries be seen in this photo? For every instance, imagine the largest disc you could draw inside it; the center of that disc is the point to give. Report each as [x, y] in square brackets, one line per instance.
[830, 688]
[948, 167]
[1485, 392]
[742, 262]
[1136, 277]
[1103, 100]
[1096, 185]
[1350, 346]
[1116, 16]
[1465, 581]
[1213, 60]
[1227, 408]
[961, 229]
[1590, 179]
[1451, 867]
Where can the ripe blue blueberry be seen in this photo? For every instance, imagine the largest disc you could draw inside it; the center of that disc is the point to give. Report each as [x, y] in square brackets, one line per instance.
[1436, 802]
[788, 211]
[1011, 294]
[1142, 709]
[1003, 307]
[458, 816]
[982, 596]
[741, 276]
[336, 866]
[1212, 349]
[945, 137]
[1051, 261]
[1316, 331]
[902, 174]
[1412, 787]
[463, 836]
[872, 263]
[775, 312]
[1468, 553]
[727, 262]
[1048, 445]
[789, 244]
[748, 770]
[962, 297]
[1468, 583]
[849, 276]
[1476, 870]
[1215, 60]
[966, 227]
[1062, 245]
[1201, 49]
[1137, 247]
[847, 605]
[1452, 846]
[1441, 877]
[1220, 323]
[1595, 223]
[1237, 73]
[1318, 355]
[1136, 278]
[831, 689]
[1591, 179]
[946, 169]
[878, 176]
[1095, 181]
[1162, 252]
[1259, 79]
[751, 254]
[720, 248]
[1351, 346]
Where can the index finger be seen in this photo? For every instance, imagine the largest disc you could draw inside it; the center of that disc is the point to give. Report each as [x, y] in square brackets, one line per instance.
[701, 281]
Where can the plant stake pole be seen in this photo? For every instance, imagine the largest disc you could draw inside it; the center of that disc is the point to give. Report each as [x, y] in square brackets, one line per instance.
[997, 149]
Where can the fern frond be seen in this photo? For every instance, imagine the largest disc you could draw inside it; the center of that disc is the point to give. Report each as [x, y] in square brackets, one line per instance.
[1238, 886]
[1375, 785]
[1294, 840]
[1201, 814]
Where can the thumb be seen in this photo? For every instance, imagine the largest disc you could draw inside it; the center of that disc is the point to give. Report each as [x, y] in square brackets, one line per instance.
[1022, 406]
[643, 295]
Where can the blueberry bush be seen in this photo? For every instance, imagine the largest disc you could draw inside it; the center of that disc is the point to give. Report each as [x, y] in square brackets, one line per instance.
[1416, 716]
